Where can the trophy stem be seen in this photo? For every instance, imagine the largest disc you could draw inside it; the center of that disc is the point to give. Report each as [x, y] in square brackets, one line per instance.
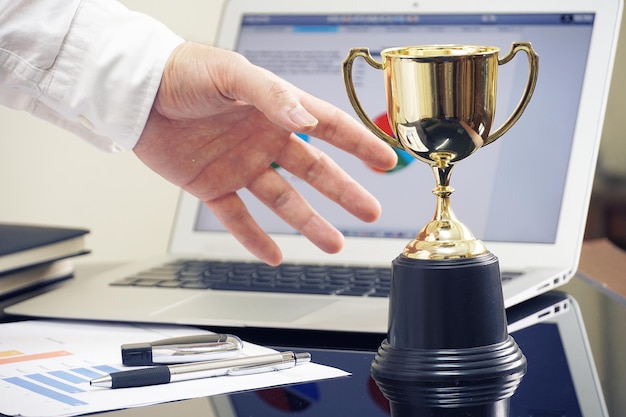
[443, 191]
[444, 237]
[442, 174]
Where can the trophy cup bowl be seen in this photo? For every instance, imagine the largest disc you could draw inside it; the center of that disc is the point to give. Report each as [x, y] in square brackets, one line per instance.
[447, 343]
[441, 103]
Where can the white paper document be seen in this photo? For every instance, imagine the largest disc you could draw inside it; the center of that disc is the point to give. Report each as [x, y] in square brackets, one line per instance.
[46, 366]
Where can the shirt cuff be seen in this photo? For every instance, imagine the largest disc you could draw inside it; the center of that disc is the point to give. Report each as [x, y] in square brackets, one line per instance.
[107, 74]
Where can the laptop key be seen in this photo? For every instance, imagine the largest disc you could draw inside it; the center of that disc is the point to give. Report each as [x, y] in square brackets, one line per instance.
[277, 289]
[199, 285]
[355, 292]
[124, 282]
[146, 282]
[170, 284]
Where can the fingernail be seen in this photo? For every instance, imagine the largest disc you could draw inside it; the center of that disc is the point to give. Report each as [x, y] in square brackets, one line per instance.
[302, 118]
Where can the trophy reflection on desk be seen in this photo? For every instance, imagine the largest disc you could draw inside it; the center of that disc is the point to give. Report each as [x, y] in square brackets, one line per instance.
[447, 344]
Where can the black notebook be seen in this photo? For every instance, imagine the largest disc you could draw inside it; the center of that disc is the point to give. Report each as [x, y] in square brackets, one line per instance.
[24, 245]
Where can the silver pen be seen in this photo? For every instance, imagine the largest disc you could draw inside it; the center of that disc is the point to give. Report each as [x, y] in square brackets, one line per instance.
[164, 374]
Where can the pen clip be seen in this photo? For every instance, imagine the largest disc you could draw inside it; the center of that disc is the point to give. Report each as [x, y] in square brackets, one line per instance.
[290, 360]
[185, 349]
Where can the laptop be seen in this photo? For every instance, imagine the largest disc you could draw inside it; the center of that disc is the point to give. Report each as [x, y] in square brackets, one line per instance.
[526, 195]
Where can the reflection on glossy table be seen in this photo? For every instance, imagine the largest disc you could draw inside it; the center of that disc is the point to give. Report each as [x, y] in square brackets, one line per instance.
[604, 317]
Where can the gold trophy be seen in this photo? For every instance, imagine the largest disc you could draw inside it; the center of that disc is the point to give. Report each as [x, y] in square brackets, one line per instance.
[447, 338]
[441, 103]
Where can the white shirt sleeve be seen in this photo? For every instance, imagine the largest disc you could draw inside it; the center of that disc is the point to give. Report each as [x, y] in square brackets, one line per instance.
[91, 67]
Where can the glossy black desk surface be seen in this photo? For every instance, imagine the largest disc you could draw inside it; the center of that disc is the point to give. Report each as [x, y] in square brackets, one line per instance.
[543, 392]
[546, 390]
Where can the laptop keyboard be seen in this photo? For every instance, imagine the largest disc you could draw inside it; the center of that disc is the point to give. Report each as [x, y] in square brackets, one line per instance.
[285, 278]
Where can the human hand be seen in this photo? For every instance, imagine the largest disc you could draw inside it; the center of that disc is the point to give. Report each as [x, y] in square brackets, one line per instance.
[217, 124]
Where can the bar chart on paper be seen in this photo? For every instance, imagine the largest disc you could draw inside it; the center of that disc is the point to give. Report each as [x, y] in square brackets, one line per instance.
[46, 366]
[57, 376]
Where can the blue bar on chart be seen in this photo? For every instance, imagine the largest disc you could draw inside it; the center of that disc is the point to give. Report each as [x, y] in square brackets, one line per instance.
[62, 386]
[86, 372]
[57, 384]
[47, 392]
[106, 369]
[66, 376]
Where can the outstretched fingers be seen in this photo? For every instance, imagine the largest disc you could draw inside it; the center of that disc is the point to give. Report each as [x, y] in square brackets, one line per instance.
[320, 171]
[344, 132]
[277, 194]
[234, 216]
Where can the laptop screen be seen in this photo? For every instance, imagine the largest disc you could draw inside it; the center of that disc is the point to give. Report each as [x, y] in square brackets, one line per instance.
[509, 191]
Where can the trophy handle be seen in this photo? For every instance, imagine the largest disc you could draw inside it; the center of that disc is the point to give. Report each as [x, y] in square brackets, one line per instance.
[533, 70]
[356, 104]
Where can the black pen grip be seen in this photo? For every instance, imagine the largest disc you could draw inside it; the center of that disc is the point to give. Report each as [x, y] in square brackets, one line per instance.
[140, 377]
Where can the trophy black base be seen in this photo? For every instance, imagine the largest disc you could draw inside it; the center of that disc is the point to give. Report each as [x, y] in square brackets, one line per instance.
[447, 345]
[496, 409]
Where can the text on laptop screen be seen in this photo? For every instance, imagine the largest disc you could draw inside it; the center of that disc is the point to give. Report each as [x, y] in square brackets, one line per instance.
[509, 191]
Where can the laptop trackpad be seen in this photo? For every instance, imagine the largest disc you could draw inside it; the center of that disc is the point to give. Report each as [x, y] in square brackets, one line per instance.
[243, 308]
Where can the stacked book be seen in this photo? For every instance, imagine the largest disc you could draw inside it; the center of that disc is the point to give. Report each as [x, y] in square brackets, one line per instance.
[33, 256]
